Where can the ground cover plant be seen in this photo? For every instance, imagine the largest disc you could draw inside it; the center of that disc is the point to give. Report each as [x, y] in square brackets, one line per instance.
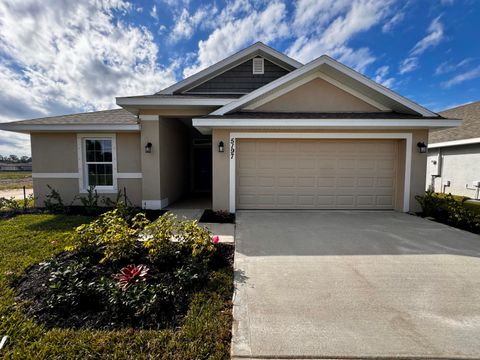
[122, 289]
[451, 210]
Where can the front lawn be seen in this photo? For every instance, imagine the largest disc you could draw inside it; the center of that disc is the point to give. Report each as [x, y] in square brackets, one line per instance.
[202, 333]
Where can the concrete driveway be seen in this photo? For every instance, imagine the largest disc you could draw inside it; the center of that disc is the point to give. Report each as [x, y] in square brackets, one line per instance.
[338, 284]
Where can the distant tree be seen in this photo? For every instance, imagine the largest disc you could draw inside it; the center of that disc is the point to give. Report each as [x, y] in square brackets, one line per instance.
[13, 158]
[2, 158]
[24, 159]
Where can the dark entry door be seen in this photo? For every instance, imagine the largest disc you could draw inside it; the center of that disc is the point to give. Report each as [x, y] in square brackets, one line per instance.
[202, 169]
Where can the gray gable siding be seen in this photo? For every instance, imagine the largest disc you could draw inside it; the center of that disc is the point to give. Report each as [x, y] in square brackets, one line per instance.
[240, 79]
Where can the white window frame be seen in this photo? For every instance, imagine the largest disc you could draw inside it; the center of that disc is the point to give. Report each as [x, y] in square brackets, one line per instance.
[82, 164]
[262, 62]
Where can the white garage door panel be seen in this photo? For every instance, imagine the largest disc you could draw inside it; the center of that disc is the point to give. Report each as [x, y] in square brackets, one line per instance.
[316, 174]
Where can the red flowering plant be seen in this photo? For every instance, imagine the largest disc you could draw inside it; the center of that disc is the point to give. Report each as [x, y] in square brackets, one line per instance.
[130, 275]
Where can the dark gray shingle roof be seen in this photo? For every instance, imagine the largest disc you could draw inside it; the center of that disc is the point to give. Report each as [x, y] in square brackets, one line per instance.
[470, 128]
[106, 117]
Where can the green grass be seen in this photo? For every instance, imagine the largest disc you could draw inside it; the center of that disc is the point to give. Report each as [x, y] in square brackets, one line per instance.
[14, 175]
[15, 180]
[28, 239]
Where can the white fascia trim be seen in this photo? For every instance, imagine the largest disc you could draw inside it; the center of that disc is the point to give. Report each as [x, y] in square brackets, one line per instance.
[129, 175]
[312, 66]
[228, 61]
[55, 175]
[68, 127]
[148, 117]
[324, 123]
[245, 135]
[307, 79]
[165, 102]
[454, 143]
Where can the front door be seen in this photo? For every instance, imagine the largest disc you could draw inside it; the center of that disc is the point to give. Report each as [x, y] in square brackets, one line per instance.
[202, 169]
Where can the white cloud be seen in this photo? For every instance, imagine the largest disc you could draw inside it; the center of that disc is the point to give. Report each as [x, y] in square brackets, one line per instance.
[435, 35]
[73, 56]
[458, 79]
[70, 56]
[433, 38]
[235, 32]
[393, 21]
[185, 24]
[407, 65]
[381, 76]
[153, 12]
[447, 67]
[328, 26]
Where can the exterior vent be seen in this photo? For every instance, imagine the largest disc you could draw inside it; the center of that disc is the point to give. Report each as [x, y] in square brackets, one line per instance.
[258, 65]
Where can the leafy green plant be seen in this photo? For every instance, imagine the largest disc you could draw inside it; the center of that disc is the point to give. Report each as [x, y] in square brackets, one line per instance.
[12, 204]
[122, 203]
[90, 202]
[70, 286]
[449, 210]
[54, 202]
[115, 236]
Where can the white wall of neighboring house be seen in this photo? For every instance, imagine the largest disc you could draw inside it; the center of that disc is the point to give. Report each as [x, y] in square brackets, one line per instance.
[459, 165]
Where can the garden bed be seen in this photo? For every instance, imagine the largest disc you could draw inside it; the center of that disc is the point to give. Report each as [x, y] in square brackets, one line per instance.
[219, 217]
[451, 210]
[192, 319]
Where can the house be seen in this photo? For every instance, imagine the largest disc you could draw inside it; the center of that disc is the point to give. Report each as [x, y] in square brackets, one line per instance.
[257, 130]
[453, 164]
[15, 167]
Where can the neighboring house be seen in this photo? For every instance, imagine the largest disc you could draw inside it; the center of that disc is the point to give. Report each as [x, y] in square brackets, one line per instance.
[257, 130]
[454, 154]
[16, 167]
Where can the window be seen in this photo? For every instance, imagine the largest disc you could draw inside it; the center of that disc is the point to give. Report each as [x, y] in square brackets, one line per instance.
[258, 67]
[98, 168]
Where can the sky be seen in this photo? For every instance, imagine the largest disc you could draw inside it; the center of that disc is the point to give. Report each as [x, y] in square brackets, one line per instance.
[62, 57]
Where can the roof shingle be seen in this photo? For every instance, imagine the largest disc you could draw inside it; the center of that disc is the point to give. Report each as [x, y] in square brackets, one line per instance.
[106, 117]
[470, 128]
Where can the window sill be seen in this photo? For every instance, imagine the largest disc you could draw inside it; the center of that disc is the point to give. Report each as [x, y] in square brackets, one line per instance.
[106, 190]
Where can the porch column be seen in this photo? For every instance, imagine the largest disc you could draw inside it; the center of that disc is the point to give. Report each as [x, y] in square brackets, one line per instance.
[150, 133]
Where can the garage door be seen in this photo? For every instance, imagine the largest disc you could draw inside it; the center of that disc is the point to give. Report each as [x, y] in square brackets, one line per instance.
[316, 174]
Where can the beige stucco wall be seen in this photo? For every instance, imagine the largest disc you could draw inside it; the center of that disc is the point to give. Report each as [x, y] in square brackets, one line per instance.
[221, 166]
[56, 153]
[317, 95]
[150, 162]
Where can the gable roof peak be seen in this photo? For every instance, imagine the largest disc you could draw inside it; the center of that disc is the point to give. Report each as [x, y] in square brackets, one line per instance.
[258, 48]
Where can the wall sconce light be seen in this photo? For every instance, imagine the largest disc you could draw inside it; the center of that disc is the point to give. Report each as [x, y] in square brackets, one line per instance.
[148, 148]
[422, 148]
[221, 147]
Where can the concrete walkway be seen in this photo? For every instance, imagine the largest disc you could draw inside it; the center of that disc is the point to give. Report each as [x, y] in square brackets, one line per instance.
[354, 285]
[15, 193]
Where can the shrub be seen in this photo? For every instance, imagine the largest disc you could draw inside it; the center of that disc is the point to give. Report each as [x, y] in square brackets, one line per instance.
[70, 286]
[447, 209]
[11, 204]
[122, 203]
[90, 202]
[54, 202]
[115, 236]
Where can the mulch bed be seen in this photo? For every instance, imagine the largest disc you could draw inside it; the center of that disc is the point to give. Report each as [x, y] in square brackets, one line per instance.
[219, 217]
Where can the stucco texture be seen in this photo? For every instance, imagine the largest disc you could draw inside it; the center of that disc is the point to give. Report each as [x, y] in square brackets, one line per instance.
[56, 154]
[221, 166]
